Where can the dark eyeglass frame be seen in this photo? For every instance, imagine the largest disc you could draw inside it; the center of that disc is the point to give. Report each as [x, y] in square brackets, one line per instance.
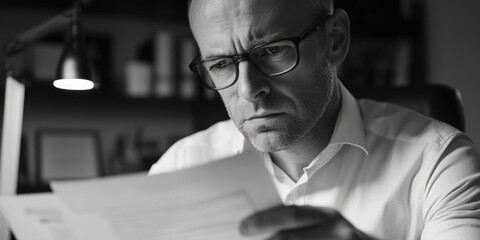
[236, 59]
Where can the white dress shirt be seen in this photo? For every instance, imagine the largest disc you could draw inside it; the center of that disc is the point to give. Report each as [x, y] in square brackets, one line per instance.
[393, 173]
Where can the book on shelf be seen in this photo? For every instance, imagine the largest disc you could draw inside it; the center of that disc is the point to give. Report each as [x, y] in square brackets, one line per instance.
[169, 55]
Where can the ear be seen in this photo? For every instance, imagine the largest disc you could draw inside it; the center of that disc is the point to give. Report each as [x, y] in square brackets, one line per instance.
[338, 30]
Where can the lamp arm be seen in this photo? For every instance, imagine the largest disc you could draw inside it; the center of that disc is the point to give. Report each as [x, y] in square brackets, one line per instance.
[24, 39]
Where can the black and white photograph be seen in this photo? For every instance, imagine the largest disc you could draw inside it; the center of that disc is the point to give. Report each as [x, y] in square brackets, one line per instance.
[239, 119]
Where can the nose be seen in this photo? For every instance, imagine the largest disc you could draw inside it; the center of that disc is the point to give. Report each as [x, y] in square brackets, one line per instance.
[252, 85]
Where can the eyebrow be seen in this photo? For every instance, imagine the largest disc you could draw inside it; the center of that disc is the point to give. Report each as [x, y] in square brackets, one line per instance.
[203, 57]
[273, 37]
[259, 41]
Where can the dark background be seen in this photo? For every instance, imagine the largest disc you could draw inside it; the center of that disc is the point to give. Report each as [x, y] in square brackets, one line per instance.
[394, 43]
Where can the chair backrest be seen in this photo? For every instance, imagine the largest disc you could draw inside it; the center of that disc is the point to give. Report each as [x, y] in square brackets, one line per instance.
[441, 102]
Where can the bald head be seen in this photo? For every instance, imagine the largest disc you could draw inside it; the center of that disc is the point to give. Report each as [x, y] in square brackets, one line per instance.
[317, 6]
[257, 21]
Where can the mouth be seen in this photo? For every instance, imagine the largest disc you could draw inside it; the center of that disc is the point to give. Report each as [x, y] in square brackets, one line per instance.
[264, 116]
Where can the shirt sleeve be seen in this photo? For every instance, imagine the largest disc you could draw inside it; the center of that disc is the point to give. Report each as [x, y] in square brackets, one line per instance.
[452, 194]
[217, 142]
[169, 160]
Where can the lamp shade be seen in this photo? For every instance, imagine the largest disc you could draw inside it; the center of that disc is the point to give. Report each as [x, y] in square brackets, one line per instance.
[74, 71]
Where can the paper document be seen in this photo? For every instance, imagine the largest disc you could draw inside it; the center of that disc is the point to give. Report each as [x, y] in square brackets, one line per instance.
[204, 202]
[45, 217]
[36, 217]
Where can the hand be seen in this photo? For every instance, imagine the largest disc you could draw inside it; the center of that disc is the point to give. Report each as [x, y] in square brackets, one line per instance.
[294, 222]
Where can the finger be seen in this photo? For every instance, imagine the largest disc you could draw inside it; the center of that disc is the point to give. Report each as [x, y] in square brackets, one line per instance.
[313, 233]
[341, 230]
[283, 218]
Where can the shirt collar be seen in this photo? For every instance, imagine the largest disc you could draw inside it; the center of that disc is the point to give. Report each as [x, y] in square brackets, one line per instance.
[349, 126]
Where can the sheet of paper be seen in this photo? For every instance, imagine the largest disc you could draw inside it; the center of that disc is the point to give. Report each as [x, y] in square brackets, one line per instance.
[204, 202]
[46, 217]
[35, 217]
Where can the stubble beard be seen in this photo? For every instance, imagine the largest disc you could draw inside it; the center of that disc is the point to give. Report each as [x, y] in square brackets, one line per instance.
[315, 103]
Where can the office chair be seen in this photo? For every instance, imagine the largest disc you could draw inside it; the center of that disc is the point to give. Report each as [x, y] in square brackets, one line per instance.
[441, 102]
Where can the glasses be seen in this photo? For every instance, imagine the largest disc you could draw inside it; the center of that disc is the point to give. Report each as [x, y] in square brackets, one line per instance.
[272, 58]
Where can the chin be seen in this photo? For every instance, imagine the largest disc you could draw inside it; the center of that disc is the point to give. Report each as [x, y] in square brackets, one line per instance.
[272, 141]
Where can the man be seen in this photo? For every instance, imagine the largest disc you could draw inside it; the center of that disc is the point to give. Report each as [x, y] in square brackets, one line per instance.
[345, 169]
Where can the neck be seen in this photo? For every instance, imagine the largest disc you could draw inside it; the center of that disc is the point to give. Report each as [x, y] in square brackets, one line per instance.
[294, 159]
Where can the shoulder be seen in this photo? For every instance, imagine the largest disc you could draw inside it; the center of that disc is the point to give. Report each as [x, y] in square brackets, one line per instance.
[218, 141]
[393, 122]
[399, 138]
[436, 164]
[407, 138]
[218, 136]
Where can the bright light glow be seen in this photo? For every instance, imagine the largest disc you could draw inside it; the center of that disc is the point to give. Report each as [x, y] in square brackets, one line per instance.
[73, 84]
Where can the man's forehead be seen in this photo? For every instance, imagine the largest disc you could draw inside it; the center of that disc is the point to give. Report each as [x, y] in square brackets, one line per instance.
[228, 9]
[218, 6]
[220, 10]
[215, 21]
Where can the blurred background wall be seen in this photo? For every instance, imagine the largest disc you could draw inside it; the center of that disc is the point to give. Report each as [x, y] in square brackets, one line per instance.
[453, 46]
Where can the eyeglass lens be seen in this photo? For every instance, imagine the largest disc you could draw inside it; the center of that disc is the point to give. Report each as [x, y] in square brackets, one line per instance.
[272, 59]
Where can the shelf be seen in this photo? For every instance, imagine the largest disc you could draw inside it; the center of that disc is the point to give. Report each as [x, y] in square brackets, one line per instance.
[97, 98]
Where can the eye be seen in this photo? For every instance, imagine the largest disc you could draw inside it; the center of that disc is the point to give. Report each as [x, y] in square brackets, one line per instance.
[219, 65]
[273, 50]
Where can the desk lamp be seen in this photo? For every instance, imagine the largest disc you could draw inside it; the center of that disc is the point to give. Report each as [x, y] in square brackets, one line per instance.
[73, 73]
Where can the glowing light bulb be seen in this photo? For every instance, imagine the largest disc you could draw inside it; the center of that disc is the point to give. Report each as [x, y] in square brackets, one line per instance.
[73, 84]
